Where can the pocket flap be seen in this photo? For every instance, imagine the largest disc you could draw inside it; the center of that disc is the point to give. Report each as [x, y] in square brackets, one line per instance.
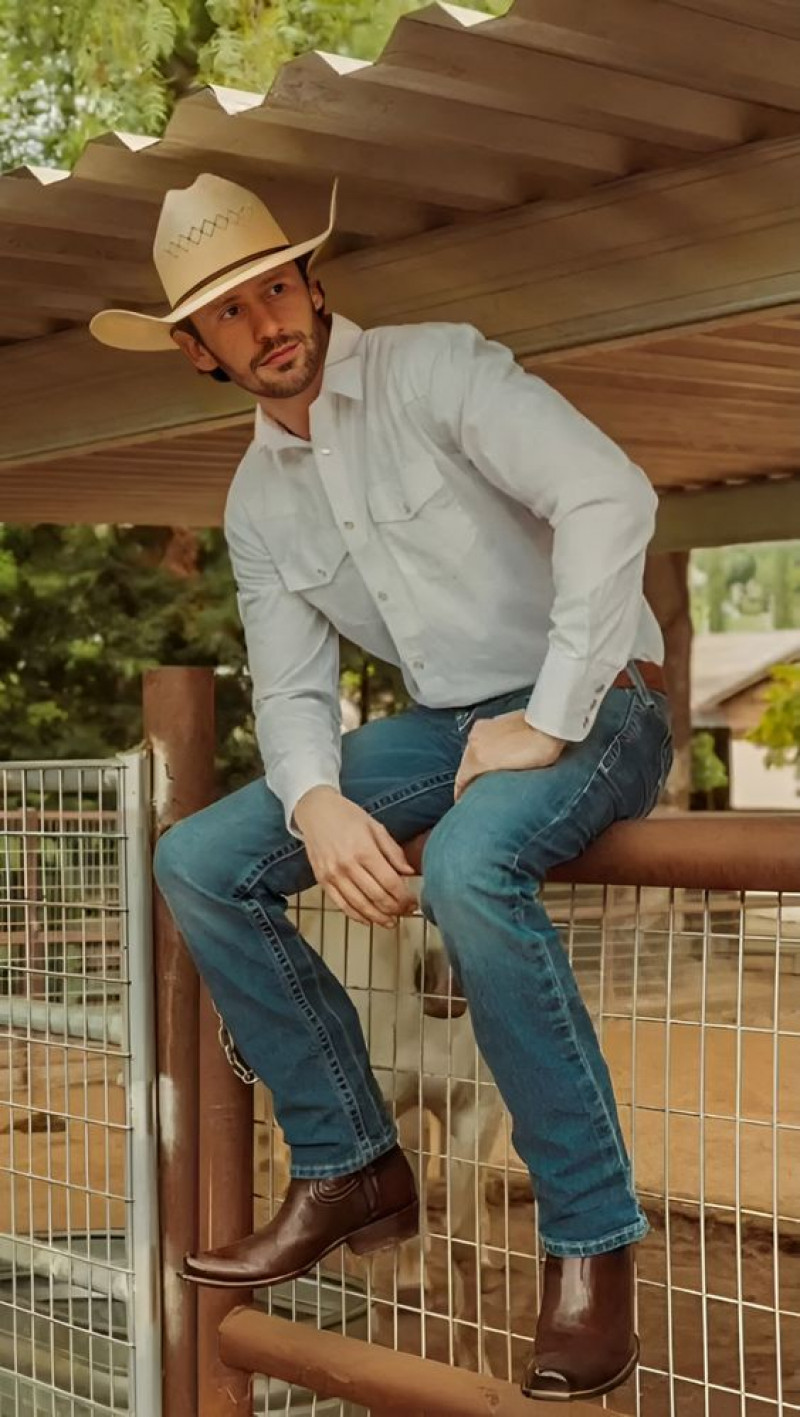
[307, 556]
[402, 497]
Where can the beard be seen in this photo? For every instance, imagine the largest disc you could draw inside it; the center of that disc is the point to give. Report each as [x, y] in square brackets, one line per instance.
[274, 381]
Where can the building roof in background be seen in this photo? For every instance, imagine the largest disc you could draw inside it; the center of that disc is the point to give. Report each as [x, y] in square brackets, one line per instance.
[725, 665]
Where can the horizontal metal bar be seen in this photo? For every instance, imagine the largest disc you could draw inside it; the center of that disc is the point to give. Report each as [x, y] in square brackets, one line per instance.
[379, 1378]
[98, 1025]
[742, 851]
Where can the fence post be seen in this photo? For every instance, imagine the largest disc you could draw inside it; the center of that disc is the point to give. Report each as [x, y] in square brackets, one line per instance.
[205, 1154]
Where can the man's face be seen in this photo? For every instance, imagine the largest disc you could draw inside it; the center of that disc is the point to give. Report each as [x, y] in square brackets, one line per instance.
[265, 334]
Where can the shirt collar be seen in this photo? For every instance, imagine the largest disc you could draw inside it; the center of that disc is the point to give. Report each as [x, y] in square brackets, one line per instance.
[343, 375]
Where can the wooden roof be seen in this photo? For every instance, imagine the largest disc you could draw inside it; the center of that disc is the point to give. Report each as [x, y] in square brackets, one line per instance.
[461, 115]
[716, 405]
[612, 189]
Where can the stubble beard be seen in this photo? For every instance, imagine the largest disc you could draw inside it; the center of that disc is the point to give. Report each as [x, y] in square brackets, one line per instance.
[306, 362]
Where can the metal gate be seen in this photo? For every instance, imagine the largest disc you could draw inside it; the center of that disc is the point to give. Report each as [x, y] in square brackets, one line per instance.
[79, 1277]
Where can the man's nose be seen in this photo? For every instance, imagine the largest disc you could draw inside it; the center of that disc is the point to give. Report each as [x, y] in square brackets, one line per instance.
[265, 324]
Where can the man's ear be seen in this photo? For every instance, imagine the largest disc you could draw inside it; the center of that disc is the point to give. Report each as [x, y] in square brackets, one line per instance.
[317, 296]
[195, 352]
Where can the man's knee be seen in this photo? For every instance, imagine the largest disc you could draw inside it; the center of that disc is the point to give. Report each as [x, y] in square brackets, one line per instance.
[465, 862]
[175, 858]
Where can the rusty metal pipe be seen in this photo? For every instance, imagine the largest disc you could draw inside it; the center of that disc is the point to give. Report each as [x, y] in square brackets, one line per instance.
[206, 1133]
[226, 1212]
[696, 850]
[377, 1378]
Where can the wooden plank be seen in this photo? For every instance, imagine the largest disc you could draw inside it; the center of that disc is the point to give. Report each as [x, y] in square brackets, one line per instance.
[666, 42]
[96, 394]
[694, 368]
[451, 178]
[299, 200]
[652, 252]
[438, 51]
[315, 92]
[774, 16]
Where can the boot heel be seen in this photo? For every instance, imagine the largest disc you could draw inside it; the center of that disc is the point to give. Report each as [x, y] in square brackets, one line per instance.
[381, 1234]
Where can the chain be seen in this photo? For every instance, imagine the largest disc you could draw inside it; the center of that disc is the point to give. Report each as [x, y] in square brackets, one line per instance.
[228, 1047]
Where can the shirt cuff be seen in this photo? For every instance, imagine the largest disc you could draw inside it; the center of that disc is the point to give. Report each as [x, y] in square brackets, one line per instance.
[292, 785]
[567, 695]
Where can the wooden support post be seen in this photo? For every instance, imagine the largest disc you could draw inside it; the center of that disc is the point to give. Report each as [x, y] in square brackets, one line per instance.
[667, 588]
[214, 1143]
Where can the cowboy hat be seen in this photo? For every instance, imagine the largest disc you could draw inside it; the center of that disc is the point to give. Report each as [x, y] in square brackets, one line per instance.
[210, 237]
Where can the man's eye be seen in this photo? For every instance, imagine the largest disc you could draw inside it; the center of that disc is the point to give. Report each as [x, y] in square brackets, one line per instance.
[278, 288]
[229, 310]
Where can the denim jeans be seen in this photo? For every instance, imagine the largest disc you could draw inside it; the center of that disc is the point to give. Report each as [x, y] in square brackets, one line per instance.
[226, 872]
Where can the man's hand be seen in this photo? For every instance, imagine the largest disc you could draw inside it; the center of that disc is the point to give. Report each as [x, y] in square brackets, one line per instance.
[358, 864]
[506, 742]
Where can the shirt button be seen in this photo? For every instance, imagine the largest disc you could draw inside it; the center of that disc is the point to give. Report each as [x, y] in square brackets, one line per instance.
[325, 452]
[348, 526]
[382, 595]
[418, 664]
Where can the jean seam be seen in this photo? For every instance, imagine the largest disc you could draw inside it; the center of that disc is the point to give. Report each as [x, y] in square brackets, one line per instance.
[572, 804]
[372, 806]
[566, 1249]
[359, 1160]
[352, 1107]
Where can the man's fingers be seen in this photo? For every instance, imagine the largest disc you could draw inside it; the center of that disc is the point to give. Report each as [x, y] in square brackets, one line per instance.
[392, 850]
[390, 900]
[341, 904]
[354, 903]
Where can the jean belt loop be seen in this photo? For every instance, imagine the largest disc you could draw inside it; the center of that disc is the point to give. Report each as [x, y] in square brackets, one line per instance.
[641, 688]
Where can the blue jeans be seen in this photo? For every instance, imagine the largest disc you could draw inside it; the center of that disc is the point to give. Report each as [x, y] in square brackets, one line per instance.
[226, 872]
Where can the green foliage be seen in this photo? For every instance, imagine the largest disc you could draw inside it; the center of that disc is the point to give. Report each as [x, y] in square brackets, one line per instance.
[746, 587]
[72, 70]
[708, 770]
[779, 728]
[85, 611]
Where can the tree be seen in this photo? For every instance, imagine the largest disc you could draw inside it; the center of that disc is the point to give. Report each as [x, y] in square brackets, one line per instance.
[746, 587]
[779, 728]
[72, 70]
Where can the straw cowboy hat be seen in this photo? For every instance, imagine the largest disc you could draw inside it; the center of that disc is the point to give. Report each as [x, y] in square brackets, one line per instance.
[210, 237]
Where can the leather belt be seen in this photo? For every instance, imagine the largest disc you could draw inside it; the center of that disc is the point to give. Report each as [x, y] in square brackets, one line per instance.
[652, 674]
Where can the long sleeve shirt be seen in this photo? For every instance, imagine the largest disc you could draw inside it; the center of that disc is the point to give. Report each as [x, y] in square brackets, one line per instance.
[453, 515]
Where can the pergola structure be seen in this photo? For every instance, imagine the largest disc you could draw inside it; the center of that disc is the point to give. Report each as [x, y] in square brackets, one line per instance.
[612, 189]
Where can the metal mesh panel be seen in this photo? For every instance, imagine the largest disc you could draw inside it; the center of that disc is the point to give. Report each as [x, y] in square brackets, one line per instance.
[78, 1232]
[696, 997]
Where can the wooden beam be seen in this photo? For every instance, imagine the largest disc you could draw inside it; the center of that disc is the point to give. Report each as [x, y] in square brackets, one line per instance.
[774, 16]
[728, 516]
[666, 42]
[321, 95]
[442, 49]
[298, 204]
[467, 181]
[650, 253]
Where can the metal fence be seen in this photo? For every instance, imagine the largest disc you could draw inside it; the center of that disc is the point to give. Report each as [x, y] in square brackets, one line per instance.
[696, 996]
[79, 1306]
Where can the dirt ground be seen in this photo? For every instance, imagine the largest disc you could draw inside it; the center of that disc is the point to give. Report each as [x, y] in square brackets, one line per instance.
[711, 1110]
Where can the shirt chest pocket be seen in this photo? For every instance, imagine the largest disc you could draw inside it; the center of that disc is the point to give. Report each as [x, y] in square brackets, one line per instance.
[308, 557]
[417, 513]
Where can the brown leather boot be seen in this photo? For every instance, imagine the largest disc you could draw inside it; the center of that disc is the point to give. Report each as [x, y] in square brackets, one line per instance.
[369, 1210]
[585, 1340]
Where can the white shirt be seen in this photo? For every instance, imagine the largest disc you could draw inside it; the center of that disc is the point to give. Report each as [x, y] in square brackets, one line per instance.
[452, 515]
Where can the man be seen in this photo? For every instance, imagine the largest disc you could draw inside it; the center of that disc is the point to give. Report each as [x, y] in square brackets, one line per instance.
[416, 491]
